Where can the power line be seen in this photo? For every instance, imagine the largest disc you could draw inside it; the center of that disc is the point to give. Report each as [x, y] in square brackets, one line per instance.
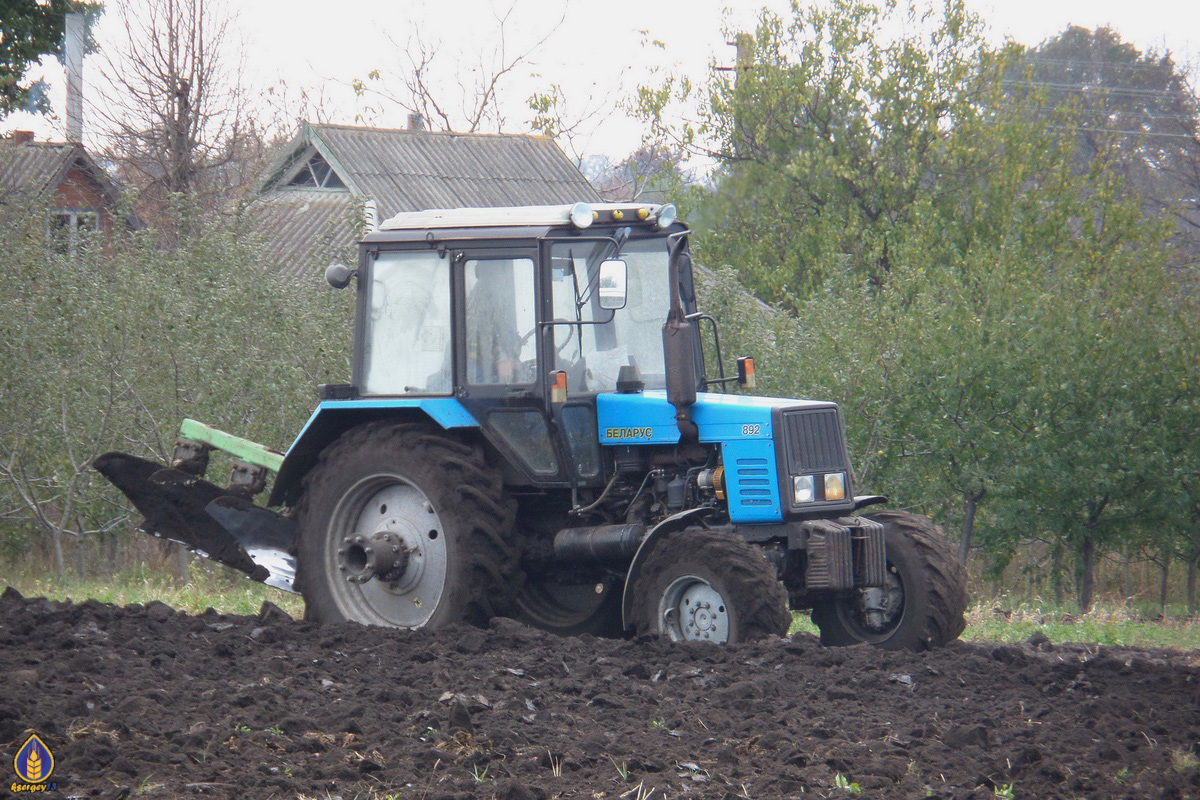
[1071, 62]
[1134, 114]
[1079, 87]
[1130, 133]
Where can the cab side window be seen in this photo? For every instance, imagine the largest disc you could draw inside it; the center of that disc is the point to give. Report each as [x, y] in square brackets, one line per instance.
[501, 321]
[406, 337]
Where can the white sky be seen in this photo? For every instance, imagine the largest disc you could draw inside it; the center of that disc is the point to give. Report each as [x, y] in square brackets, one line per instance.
[597, 53]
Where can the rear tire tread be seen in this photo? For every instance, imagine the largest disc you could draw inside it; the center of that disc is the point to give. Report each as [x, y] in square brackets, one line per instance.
[477, 491]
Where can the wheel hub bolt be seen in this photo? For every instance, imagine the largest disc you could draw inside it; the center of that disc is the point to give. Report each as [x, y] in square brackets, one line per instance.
[383, 556]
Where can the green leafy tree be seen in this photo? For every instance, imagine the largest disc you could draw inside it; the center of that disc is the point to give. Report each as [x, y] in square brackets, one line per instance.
[1136, 111]
[111, 348]
[985, 308]
[30, 29]
[832, 135]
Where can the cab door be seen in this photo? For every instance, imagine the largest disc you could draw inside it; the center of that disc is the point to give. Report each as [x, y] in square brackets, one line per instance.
[498, 357]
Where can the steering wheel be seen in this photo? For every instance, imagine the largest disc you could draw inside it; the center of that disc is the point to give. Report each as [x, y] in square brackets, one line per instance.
[558, 351]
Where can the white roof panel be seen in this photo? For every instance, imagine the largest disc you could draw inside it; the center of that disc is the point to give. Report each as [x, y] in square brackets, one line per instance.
[505, 217]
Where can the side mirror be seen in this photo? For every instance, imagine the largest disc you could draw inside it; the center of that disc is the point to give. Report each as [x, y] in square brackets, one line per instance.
[338, 275]
[613, 284]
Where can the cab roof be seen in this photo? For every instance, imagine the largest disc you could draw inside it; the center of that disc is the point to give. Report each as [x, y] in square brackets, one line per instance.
[517, 216]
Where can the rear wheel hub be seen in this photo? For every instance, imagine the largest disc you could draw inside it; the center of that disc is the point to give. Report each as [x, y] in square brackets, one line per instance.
[384, 555]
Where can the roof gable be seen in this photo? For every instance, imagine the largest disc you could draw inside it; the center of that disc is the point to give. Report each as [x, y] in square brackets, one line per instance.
[32, 170]
[410, 170]
[316, 173]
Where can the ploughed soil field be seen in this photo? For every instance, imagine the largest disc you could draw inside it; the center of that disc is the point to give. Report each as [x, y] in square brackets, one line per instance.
[148, 702]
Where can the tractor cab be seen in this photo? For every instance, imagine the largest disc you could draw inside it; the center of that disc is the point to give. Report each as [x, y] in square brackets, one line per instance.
[522, 317]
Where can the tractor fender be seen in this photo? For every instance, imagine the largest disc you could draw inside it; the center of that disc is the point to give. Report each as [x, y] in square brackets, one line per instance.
[332, 418]
[673, 523]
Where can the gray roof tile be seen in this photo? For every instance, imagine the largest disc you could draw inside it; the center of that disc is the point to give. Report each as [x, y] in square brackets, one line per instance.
[404, 170]
[307, 229]
[31, 168]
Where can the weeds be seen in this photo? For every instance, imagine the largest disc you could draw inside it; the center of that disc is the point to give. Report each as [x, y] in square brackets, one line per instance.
[1004, 621]
[1184, 759]
[147, 786]
[639, 792]
[622, 768]
[840, 781]
[1006, 791]
[210, 586]
[480, 776]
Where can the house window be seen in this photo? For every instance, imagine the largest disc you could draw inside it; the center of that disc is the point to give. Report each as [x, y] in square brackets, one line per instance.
[71, 230]
[317, 174]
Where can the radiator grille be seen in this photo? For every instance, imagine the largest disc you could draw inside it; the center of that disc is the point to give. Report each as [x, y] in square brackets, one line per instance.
[813, 440]
[752, 481]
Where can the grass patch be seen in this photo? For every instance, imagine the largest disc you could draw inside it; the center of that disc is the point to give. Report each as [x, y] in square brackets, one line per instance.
[1104, 625]
[209, 586]
[996, 621]
[802, 624]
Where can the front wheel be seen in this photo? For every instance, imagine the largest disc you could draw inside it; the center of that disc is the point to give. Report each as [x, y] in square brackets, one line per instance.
[921, 605]
[706, 586]
[401, 526]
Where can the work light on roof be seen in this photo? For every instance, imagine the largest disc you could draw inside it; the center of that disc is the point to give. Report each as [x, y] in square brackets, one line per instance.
[581, 215]
[666, 215]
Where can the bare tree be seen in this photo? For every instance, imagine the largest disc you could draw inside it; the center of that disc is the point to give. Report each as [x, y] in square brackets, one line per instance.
[470, 101]
[171, 106]
[649, 174]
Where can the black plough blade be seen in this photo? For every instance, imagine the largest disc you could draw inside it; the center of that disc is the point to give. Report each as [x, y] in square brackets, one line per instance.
[173, 504]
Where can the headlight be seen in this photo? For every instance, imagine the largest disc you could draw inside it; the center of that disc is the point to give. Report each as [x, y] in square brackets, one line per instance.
[582, 215]
[835, 486]
[802, 489]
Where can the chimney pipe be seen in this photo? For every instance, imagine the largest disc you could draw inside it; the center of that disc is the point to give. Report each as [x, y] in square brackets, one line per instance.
[416, 122]
[75, 30]
[22, 137]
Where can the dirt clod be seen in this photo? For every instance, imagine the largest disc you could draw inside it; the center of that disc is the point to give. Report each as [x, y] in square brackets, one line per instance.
[168, 705]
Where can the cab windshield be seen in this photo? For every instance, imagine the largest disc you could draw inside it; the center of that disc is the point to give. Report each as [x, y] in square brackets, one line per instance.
[593, 354]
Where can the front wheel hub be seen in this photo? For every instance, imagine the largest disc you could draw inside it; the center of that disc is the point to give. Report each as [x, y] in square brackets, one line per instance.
[693, 610]
[881, 607]
[381, 555]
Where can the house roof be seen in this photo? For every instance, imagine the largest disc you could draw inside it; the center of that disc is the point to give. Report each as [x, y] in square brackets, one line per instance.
[28, 170]
[410, 170]
[306, 230]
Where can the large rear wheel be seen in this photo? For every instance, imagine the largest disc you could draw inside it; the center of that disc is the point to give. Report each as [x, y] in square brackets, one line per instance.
[699, 585]
[402, 526]
[922, 604]
[571, 608]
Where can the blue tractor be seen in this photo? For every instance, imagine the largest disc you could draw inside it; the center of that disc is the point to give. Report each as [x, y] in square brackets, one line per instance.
[530, 431]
